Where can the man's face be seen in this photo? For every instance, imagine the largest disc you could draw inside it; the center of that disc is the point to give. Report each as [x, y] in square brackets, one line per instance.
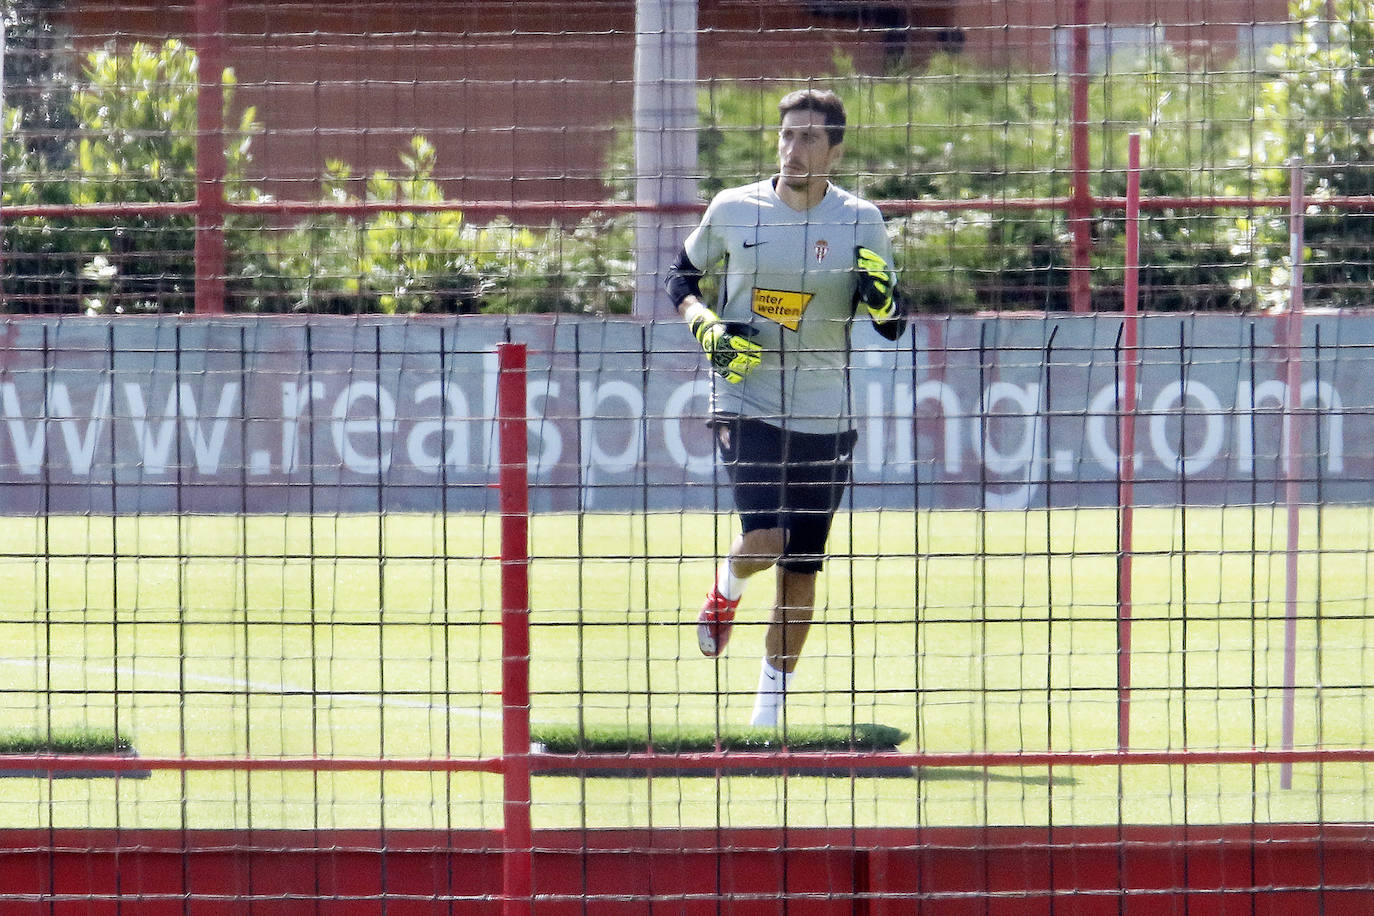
[804, 151]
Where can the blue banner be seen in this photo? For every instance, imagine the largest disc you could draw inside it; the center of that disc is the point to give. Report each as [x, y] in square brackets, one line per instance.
[321, 414]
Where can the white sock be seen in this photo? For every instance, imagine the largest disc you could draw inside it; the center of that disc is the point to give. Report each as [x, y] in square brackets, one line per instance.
[728, 584]
[768, 702]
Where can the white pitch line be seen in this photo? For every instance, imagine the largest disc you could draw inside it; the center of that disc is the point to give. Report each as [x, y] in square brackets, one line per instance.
[236, 684]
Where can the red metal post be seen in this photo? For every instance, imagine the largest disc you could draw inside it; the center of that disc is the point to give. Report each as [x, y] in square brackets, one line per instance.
[513, 480]
[212, 22]
[1080, 198]
[1126, 496]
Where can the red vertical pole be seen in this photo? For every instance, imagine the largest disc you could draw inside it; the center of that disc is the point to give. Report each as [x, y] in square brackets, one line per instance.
[1129, 375]
[513, 482]
[1292, 459]
[212, 22]
[1080, 196]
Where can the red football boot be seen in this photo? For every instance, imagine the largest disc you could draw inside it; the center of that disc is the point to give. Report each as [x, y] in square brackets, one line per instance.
[714, 623]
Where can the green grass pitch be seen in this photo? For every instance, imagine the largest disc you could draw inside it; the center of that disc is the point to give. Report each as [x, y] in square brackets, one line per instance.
[366, 636]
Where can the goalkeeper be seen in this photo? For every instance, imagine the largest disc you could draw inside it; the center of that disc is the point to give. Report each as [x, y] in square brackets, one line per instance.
[799, 258]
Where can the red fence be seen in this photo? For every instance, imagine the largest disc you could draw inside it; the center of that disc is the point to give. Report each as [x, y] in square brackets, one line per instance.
[1074, 871]
[1117, 869]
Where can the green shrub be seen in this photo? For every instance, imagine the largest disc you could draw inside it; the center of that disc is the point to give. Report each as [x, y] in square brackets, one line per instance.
[135, 119]
[131, 139]
[413, 261]
[1319, 106]
[37, 269]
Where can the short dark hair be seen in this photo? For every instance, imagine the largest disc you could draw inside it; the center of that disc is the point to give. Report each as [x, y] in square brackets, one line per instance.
[823, 102]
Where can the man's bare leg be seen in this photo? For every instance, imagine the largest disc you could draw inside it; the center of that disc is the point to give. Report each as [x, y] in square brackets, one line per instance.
[793, 610]
[750, 553]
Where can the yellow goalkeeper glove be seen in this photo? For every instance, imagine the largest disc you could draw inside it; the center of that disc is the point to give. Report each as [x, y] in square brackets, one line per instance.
[876, 285]
[731, 353]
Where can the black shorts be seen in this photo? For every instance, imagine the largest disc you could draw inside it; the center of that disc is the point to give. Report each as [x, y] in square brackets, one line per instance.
[788, 480]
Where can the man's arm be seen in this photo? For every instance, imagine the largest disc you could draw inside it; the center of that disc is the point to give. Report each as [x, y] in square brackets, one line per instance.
[684, 283]
[731, 353]
[877, 289]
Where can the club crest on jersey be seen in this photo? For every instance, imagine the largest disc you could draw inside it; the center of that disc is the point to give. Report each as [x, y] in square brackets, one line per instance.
[822, 249]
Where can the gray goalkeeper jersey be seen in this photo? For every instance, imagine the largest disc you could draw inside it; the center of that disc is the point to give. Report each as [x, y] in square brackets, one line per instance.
[789, 276]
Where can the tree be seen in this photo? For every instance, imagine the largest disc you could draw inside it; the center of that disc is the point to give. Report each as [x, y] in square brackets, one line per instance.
[39, 268]
[137, 110]
[128, 135]
[1319, 106]
[37, 88]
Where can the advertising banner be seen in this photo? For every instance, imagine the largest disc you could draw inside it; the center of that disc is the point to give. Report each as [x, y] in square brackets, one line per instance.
[322, 414]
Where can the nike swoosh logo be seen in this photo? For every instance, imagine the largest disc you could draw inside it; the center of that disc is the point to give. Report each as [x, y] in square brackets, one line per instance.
[752, 244]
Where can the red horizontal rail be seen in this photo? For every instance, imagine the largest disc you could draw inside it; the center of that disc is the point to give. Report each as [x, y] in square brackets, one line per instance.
[715, 760]
[62, 763]
[887, 759]
[472, 208]
[142, 208]
[483, 208]
[1338, 202]
[490, 208]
